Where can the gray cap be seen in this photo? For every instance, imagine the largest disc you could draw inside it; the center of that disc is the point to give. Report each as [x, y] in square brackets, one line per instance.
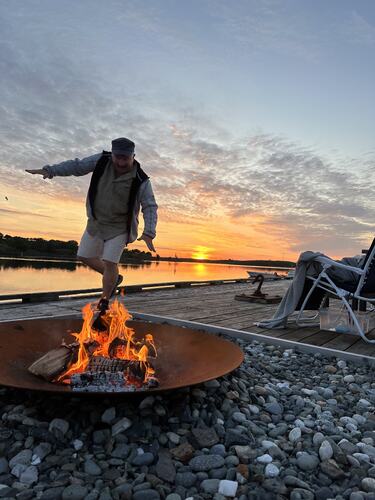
[123, 146]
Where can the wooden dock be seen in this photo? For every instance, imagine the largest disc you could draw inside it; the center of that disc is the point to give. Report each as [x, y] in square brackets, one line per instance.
[210, 304]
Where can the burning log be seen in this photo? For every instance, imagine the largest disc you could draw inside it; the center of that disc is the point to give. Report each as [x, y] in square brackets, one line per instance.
[101, 360]
[54, 362]
[99, 364]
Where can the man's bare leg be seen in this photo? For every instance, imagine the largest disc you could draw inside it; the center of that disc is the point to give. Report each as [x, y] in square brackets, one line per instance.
[93, 262]
[109, 270]
[110, 276]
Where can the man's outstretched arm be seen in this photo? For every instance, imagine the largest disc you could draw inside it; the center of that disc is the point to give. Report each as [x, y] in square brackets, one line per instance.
[75, 167]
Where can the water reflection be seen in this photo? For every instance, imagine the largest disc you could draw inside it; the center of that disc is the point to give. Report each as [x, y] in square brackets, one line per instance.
[36, 264]
[28, 275]
[67, 265]
[200, 270]
[139, 265]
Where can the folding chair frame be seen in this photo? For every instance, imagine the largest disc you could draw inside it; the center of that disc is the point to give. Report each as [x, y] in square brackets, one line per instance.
[324, 282]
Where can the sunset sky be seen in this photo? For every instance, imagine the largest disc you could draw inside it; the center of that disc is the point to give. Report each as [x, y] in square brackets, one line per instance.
[254, 119]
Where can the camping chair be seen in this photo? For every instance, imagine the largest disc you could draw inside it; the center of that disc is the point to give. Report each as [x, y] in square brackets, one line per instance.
[359, 291]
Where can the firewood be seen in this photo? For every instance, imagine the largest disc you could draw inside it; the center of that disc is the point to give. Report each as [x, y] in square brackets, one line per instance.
[54, 362]
[99, 364]
[102, 364]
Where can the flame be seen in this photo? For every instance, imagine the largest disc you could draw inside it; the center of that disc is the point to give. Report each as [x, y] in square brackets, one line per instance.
[117, 341]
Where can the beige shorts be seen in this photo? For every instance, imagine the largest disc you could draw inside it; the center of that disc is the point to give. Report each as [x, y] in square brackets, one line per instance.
[93, 246]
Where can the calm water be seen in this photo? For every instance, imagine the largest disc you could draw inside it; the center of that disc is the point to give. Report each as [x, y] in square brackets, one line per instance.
[27, 275]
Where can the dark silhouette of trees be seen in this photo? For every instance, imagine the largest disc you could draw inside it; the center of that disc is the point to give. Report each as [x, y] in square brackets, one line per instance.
[16, 246]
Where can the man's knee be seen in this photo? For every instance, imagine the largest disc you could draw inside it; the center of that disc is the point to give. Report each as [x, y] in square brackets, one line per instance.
[85, 260]
[110, 266]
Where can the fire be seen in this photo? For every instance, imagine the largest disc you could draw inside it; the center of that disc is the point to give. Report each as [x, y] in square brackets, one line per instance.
[116, 343]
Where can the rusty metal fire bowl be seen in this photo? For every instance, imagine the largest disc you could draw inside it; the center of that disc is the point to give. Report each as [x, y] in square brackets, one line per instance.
[185, 356]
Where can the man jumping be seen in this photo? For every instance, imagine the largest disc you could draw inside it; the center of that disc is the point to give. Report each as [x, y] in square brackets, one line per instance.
[119, 188]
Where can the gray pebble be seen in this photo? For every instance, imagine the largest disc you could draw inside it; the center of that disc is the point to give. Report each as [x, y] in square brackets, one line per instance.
[185, 479]
[146, 495]
[307, 462]
[206, 462]
[301, 494]
[218, 449]
[368, 484]
[210, 485]
[143, 459]
[91, 468]
[74, 492]
[58, 427]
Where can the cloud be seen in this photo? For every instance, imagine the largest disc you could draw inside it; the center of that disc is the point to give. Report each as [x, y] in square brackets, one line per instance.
[55, 107]
[268, 25]
[301, 195]
[359, 30]
[8, 211]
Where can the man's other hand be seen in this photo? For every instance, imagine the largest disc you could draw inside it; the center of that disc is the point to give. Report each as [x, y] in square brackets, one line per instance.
[39, 171]
[148, 241]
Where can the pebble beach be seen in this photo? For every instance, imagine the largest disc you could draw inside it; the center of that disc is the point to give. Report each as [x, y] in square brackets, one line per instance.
[284, 425]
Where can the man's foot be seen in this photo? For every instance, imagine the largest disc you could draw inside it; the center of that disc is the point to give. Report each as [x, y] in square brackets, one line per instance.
[98, 324]
[119, 281]
[102, 305]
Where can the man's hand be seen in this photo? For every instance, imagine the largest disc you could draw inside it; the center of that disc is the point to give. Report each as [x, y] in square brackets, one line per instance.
[148, 241]
[39, 171]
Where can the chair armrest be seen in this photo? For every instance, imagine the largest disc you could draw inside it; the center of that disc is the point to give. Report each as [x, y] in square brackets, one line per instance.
[327, 262]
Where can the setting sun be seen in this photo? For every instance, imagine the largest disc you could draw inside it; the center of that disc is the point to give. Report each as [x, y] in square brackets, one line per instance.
[200, 253]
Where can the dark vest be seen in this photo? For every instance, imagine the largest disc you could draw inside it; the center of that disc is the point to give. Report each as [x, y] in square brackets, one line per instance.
[100, 166]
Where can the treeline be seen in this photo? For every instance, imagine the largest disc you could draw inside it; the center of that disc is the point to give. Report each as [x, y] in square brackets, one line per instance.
[16, 246]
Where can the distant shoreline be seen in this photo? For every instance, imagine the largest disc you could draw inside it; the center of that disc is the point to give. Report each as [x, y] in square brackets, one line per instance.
[38, 249]
[274, 264]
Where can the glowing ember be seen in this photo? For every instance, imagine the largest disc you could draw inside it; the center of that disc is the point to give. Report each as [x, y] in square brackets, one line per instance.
[113, 357]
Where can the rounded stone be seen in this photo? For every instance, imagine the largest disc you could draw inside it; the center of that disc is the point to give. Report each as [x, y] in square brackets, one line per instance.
[271, 470]
[92, 468]
[23, 457]
[74, 492]
[218, 449]
[325, 450]
[146, 495]
[264, 459]
[274, 408]
[218, 473]
[301, 494]
[58, 426]
[239, 417]
[29, 476]
[356, 495]
[295, 434]
[307, 462]
[185, 479]
[204, 463]
[368, 484]
[143, 459]
[210, 486]
[109, 415]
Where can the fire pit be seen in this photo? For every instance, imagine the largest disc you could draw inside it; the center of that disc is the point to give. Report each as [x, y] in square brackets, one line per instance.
[184, 356]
